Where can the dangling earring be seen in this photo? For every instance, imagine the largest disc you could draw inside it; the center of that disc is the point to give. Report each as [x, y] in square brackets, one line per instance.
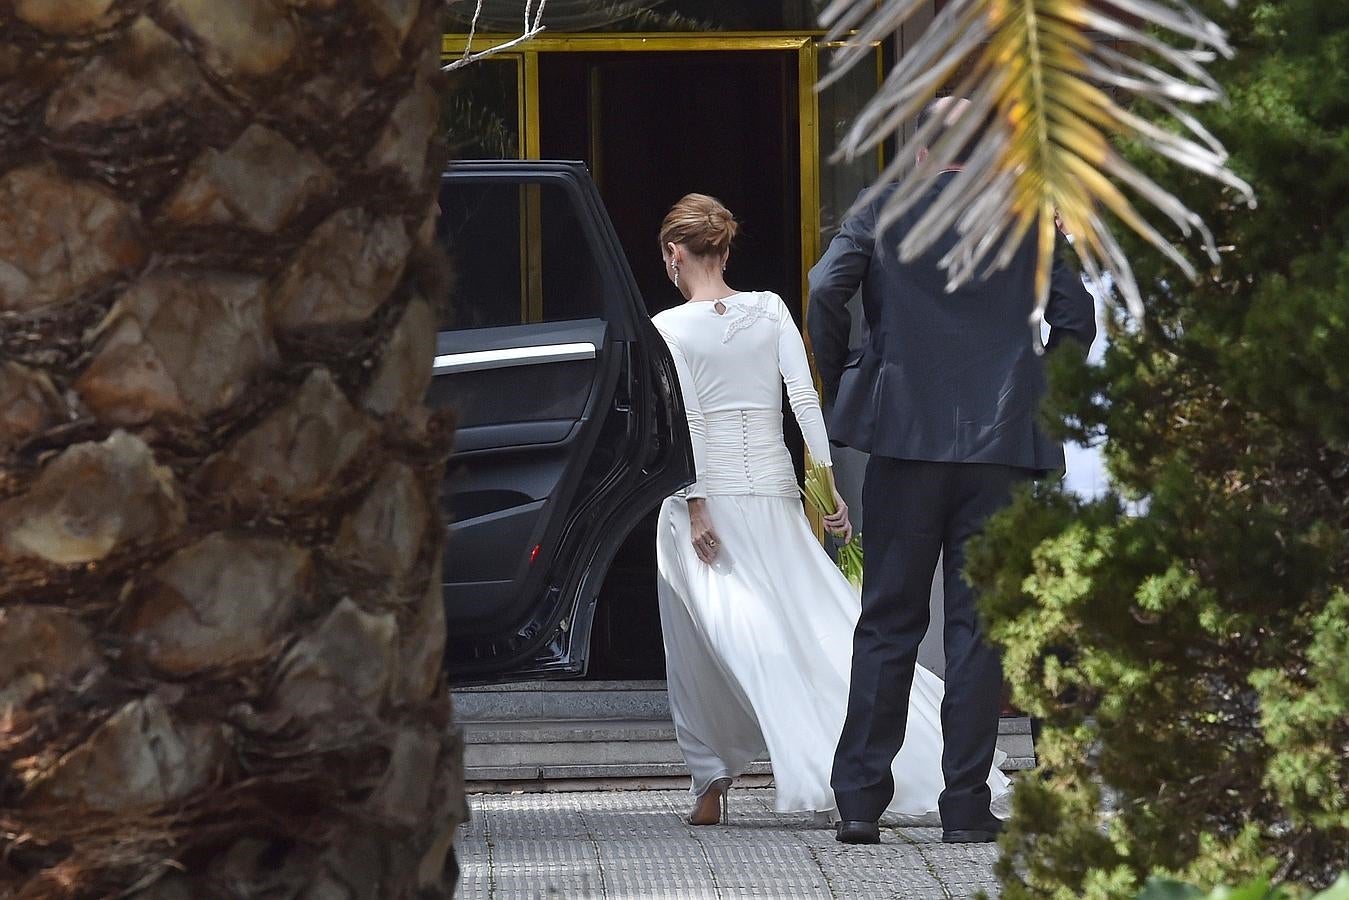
[675, 266]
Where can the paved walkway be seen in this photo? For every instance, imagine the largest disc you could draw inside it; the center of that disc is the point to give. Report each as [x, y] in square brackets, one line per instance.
[631, 844]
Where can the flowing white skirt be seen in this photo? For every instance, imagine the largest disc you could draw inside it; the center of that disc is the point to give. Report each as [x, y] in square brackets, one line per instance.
[758, 650]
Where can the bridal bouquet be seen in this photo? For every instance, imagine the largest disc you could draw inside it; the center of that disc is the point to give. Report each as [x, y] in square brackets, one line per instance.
[819, 494]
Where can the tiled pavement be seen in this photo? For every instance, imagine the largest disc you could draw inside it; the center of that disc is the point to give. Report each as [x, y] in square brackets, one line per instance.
[634, 844]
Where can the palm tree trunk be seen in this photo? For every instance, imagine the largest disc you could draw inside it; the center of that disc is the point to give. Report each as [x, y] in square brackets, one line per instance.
[220, 616]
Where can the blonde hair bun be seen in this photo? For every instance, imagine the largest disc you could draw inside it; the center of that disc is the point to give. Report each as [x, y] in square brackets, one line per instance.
[701, 223]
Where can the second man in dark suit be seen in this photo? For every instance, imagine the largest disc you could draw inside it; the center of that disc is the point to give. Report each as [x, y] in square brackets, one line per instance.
[946, 400]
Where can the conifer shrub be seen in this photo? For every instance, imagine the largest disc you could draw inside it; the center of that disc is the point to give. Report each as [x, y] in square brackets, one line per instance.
[1186, 639]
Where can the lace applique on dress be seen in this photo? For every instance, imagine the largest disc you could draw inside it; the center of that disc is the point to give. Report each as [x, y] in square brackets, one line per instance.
[743, 315]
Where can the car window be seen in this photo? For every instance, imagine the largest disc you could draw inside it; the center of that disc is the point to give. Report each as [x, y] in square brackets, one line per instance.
[518, 254]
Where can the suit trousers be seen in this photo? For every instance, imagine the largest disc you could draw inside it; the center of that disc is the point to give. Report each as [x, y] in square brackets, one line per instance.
[914, 511]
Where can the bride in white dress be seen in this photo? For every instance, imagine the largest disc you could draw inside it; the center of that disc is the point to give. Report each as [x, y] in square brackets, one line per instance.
[757, 620]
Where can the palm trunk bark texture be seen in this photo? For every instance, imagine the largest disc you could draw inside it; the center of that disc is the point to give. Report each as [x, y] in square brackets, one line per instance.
[221, 627]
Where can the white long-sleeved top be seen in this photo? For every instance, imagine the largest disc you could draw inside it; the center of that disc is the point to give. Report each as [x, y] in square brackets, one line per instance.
[731, 369]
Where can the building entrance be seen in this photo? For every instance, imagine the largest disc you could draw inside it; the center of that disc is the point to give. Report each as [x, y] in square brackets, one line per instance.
[655, 116]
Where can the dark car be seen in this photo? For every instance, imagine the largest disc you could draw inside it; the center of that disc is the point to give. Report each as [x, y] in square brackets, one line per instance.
[570, 423]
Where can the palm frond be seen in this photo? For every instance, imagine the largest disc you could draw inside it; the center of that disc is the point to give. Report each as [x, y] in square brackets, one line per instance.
[1038, 75]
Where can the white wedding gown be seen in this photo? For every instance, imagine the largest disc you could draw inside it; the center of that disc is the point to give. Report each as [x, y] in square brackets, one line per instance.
[758, 645]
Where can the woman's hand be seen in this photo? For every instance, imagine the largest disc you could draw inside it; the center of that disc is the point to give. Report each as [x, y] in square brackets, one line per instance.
[838, 524]
[705, 540]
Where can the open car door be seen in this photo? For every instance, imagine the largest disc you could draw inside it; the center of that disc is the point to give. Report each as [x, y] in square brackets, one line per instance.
[570, 426]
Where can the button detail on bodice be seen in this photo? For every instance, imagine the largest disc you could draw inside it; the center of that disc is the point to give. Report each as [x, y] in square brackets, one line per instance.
[746, 455]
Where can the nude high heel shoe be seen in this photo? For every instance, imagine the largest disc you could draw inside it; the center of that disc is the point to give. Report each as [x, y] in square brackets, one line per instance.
[712, 807]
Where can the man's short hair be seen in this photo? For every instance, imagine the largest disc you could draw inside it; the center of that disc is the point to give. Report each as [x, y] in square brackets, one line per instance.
[938, 107]
[927, 112]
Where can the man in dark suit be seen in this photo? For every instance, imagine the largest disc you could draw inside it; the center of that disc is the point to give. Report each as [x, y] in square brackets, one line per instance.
[946, 399]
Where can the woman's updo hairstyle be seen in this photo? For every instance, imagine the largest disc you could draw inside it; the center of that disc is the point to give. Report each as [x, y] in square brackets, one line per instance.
[701, 223]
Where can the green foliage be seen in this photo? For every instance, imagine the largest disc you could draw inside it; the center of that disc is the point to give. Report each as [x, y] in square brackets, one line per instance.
[1167, 889]
[1303, 720]
[1187, 640]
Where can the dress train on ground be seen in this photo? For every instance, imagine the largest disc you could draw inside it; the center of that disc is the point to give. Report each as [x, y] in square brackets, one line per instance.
[763, 637]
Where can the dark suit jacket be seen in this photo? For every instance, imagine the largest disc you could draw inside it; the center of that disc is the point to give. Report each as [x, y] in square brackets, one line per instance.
[944, 377]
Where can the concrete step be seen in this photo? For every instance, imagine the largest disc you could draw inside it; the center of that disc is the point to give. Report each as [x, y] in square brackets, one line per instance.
[559, 700]
[541, 749]
[586, 701]
[554, 748]
[544, 730]
[611, 772]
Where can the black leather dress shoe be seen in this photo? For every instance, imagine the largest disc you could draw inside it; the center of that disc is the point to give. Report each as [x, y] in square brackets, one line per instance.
[858, 833]
[984, 833]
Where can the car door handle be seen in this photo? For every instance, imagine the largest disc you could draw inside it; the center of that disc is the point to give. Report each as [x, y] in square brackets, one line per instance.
[479, 360]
